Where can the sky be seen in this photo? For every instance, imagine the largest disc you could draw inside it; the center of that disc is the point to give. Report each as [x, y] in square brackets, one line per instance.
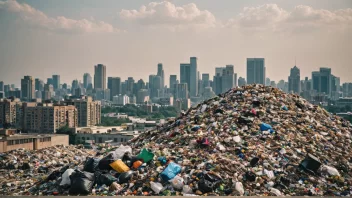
[68, 37]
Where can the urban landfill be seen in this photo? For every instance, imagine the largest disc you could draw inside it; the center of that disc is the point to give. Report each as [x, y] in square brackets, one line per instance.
[250, 141]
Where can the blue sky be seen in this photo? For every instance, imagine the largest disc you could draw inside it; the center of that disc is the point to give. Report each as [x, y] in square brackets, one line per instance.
[68, 37]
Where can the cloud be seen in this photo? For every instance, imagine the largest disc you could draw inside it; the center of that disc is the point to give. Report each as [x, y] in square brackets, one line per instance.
[36, 18]
[272, 17]
[169, 15]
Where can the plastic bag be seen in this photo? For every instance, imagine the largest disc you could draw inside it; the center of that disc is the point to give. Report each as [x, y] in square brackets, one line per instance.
[170, 171]
[177, 183]
[91, 165]
[156, 187]
[120, 152]
[146, 156]
[81, 183]
[310, 164]
[66, 177]
[119, 166]
[265, 127]
[331, 170]
[125, 177]
[239, 188]
[106, 179]
[104, 164]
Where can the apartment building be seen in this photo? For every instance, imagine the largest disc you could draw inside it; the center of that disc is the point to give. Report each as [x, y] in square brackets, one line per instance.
[47, 118]
[10, 112]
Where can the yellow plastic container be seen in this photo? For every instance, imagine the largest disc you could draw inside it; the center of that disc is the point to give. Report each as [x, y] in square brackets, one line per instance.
[119, 166]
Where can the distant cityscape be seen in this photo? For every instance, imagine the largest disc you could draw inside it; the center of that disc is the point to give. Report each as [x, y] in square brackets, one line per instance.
[39, 106]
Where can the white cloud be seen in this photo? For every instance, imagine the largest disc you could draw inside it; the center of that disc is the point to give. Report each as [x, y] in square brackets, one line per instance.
[272, 17]
[169, 15]
[37, 18]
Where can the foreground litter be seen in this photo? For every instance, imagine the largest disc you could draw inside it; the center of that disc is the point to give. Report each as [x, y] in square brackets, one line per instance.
[250, 141]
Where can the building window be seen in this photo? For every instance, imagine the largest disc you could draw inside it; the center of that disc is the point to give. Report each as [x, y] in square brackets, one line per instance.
[115, 139]
[83, 138]
[121, 140]
[87, 138]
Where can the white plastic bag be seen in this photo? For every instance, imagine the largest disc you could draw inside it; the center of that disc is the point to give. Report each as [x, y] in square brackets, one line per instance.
[239, 188]
[177, 182]
[120, 152]
[66, 177]
[331, 170]
[156, 187]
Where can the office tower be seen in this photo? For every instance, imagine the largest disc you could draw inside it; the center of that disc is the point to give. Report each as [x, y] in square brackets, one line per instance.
[50, 81]
[347, 89]
[130, 84]
[28, 88]
[228, 78]
[39, 85]
[322, 81]
[281, 85]
[241, 82]
[139, 85]
[65, 86]
[217, 80]
[142, 96]
[100, 76]
[47, 93]
[294, 80]
[181, 91]
[6, 90]
[205, 80]
[48, 118]
[56, 82]
[173, 80]
[256, 71]
[156, 87]
[87, 80]
[185, 75]
[161, 74]
[193, 77]
[273, 84]
[267, 82]
[74, 86]
[2, 86]
[335, 87]
[88, 111]
[115, 87]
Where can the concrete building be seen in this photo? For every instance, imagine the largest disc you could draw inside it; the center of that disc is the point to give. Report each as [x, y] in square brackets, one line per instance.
[121, 100]
[294, 80]
[185, 74]
[114, 86]
[89, 111]
[161, 74]
[166, 101]
[241, 81]
[142, 96]
[256, 71]
[11, 141]
[2, 86]
[39, 85]
[193, 90]
[100, 76]
[56, 82]
[347, 89]
[28, 88]
[10, 114]
[322, 81]
[173, 80]
[47, 118]
[181, 91]
[335, 88]
[87, 80]
[182, 104]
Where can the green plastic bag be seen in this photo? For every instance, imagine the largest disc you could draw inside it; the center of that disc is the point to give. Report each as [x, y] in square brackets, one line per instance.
[146, 155]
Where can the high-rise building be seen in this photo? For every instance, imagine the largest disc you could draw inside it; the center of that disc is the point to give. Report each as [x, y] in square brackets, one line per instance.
[281, 85]
[335, 87]
[47, 118]
[347, 89]
[185, 74]
[50, 81]
[39, 85]
[142, 96]
[256, 71]
[241, 82]
[267, 81]
[89, 111]
[2, 86]
[74, 86]
[28, 88]
[294, 80]
[161, 74]
[121, 100]
[181, 91]
[156, 87]
[173, 80]
[100, 76]
[9, 114]
[87, 80]
[193, 77]
[56, 82]
[130, 85]
[139, 85]
[228, 78]
[48, 91]
[115, 87]
[322, 81]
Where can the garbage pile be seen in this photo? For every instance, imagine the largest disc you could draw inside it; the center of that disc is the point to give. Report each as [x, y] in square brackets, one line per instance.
[21, 170]
[250, 141]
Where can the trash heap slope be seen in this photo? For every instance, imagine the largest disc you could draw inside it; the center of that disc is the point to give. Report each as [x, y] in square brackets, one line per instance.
[260, 139]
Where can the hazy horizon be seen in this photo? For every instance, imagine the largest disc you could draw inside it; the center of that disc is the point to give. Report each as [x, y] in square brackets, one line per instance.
[68, 37]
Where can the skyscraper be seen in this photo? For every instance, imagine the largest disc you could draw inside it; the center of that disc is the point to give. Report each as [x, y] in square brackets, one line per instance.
[185, 75]
[322, 81]
[241, 81]
[193, 77]
[256, 71]
[161, 74]
[100, 76]
[181, 91]
[39, 85]
[56, 82]
[173, 80]
[115, 88]
[1, 86]
[130, 84]
[87, 80]
[294, 80]
[205, 80]
[28, 88]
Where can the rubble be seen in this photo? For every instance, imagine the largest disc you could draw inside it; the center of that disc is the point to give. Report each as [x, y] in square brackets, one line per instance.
[250, 141]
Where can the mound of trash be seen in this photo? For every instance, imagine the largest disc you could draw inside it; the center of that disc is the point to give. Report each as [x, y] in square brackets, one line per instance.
[250, 141]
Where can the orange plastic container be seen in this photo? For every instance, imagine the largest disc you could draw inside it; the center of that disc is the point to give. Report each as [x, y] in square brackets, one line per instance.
[137, 164]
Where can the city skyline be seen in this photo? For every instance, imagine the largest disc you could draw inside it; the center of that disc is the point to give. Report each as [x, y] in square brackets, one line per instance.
[67, 39]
